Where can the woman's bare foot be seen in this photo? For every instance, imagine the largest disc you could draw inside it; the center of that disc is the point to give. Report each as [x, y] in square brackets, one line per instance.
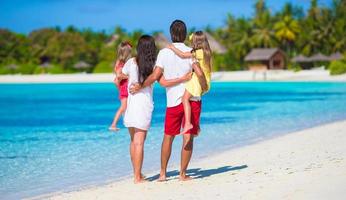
[186, 128]
[113, 128]
[185, 178]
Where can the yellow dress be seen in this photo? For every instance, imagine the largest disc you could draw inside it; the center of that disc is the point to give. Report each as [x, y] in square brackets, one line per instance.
[193, 86]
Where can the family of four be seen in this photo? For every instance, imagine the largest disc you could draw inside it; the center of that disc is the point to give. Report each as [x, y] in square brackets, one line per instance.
[172, 68]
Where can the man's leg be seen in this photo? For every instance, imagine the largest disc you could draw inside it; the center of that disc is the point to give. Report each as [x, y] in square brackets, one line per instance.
[166, 150]
[186, 153]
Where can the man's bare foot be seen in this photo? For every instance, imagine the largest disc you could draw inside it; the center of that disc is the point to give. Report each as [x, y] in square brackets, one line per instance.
[162, 178]
[185, 178]
[141, 180]
[186, 128]
[113, 128]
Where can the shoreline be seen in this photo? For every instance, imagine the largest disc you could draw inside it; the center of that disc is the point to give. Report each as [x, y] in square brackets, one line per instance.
[318, 75]
[250, 169]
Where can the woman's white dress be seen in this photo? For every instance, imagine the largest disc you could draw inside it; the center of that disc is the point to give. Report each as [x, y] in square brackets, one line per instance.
[140, 106]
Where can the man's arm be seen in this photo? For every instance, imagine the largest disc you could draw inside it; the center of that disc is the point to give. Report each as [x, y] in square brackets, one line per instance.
[172, 82]
[200, 75]
[156, 75]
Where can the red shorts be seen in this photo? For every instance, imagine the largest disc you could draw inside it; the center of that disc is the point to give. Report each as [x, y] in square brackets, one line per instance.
[123, 93]
[174, 119]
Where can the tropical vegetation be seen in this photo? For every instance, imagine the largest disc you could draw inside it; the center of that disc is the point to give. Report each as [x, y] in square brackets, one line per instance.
[319, 29]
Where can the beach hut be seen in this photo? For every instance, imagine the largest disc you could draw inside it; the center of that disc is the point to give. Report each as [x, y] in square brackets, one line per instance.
[319, 58]
[266, 59]
[112, 40]
[81, 65]
[304, 62]
[161, 40]
[215, 46]
[335, 56]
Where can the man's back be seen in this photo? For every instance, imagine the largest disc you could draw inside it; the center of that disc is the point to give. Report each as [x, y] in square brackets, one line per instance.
[174, 67]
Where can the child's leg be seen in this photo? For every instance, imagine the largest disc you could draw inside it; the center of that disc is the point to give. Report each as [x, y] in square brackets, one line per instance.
[187, 112]
[121, 110]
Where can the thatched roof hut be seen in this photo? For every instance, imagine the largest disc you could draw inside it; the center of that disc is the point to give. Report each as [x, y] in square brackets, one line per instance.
[161, 40]
[319, 58]
[215, 45]
[12, 67]
[81, 65]
[301, 59]
[335, 56]
[271, 58]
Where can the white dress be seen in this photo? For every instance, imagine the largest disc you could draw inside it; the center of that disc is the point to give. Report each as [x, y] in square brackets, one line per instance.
[140, 106]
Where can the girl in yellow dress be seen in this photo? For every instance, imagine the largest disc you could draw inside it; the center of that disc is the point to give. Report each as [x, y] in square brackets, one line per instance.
[201, 55]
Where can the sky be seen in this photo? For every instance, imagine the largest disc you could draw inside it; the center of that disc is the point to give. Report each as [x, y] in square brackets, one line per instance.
[23, 16]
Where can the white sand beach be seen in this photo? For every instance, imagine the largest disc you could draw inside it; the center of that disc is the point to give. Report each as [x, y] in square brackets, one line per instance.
[272, 75]
[309, 164]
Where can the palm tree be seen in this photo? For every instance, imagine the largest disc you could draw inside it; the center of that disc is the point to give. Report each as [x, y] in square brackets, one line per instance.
[263, 36]
[286, 31]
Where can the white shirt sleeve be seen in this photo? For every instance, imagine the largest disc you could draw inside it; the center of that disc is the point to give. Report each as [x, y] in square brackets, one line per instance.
[126, 68]
[159, 60]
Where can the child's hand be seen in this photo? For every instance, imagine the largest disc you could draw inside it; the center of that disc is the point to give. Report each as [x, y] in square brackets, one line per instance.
[169, 46]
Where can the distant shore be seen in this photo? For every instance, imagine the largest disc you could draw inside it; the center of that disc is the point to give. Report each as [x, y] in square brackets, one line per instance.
[308, 164]
[235, 76]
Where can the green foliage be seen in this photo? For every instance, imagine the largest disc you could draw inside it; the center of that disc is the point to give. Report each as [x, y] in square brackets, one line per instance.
[104, 67]
[318, 30]
[337, 67]
[294, 67]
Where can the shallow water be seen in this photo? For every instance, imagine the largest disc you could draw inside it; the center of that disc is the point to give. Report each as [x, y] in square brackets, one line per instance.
[54, 136]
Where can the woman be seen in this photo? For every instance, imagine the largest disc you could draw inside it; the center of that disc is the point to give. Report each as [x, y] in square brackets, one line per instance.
[140, 106]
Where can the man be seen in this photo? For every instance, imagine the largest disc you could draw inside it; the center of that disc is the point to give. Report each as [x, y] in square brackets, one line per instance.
[172, 67]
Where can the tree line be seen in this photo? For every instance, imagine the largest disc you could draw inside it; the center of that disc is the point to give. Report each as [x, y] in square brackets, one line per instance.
[53, 50]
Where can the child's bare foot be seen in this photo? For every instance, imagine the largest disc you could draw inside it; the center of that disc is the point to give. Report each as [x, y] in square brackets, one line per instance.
[186, 128]
[113, 128]
[185, 178]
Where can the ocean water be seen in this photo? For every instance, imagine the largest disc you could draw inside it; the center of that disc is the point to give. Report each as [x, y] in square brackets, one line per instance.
[54, 137]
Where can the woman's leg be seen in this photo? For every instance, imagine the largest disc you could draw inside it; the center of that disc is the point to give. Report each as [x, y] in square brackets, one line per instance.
[132, 133]
[121, 110]
[138, 154]
[187, 112]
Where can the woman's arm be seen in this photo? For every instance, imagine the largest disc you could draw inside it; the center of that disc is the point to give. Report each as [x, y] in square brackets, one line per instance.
[179, 53]
[200, 75]
[157, 73]
[172, 82]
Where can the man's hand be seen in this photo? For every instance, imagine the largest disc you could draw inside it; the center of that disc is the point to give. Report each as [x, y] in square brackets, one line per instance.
[186, 77]
[134, 88]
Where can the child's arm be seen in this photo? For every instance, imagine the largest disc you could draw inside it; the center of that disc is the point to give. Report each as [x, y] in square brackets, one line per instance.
[200, 75]
[172, 82]
[179, 53]
[120, 75]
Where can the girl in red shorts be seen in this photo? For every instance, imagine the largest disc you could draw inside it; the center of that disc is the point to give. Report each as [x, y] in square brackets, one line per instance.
[124, 53]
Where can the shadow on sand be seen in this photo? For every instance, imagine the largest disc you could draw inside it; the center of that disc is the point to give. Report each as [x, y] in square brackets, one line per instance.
[198, 173]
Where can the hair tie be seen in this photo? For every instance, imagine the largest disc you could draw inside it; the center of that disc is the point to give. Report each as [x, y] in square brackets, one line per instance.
[191, 36]
[128, 43]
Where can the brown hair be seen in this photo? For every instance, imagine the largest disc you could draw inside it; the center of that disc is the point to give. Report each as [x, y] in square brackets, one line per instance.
[178, 31]
[146, 57]
[124, 51]
[200, 41]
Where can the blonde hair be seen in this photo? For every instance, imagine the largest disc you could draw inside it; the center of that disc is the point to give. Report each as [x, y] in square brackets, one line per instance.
[124, 51]
[199, 41]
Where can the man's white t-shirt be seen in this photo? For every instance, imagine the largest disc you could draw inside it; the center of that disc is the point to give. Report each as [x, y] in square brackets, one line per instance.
[174, 67]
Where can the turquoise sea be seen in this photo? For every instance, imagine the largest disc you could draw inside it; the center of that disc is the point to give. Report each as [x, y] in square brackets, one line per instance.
[54, 137]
